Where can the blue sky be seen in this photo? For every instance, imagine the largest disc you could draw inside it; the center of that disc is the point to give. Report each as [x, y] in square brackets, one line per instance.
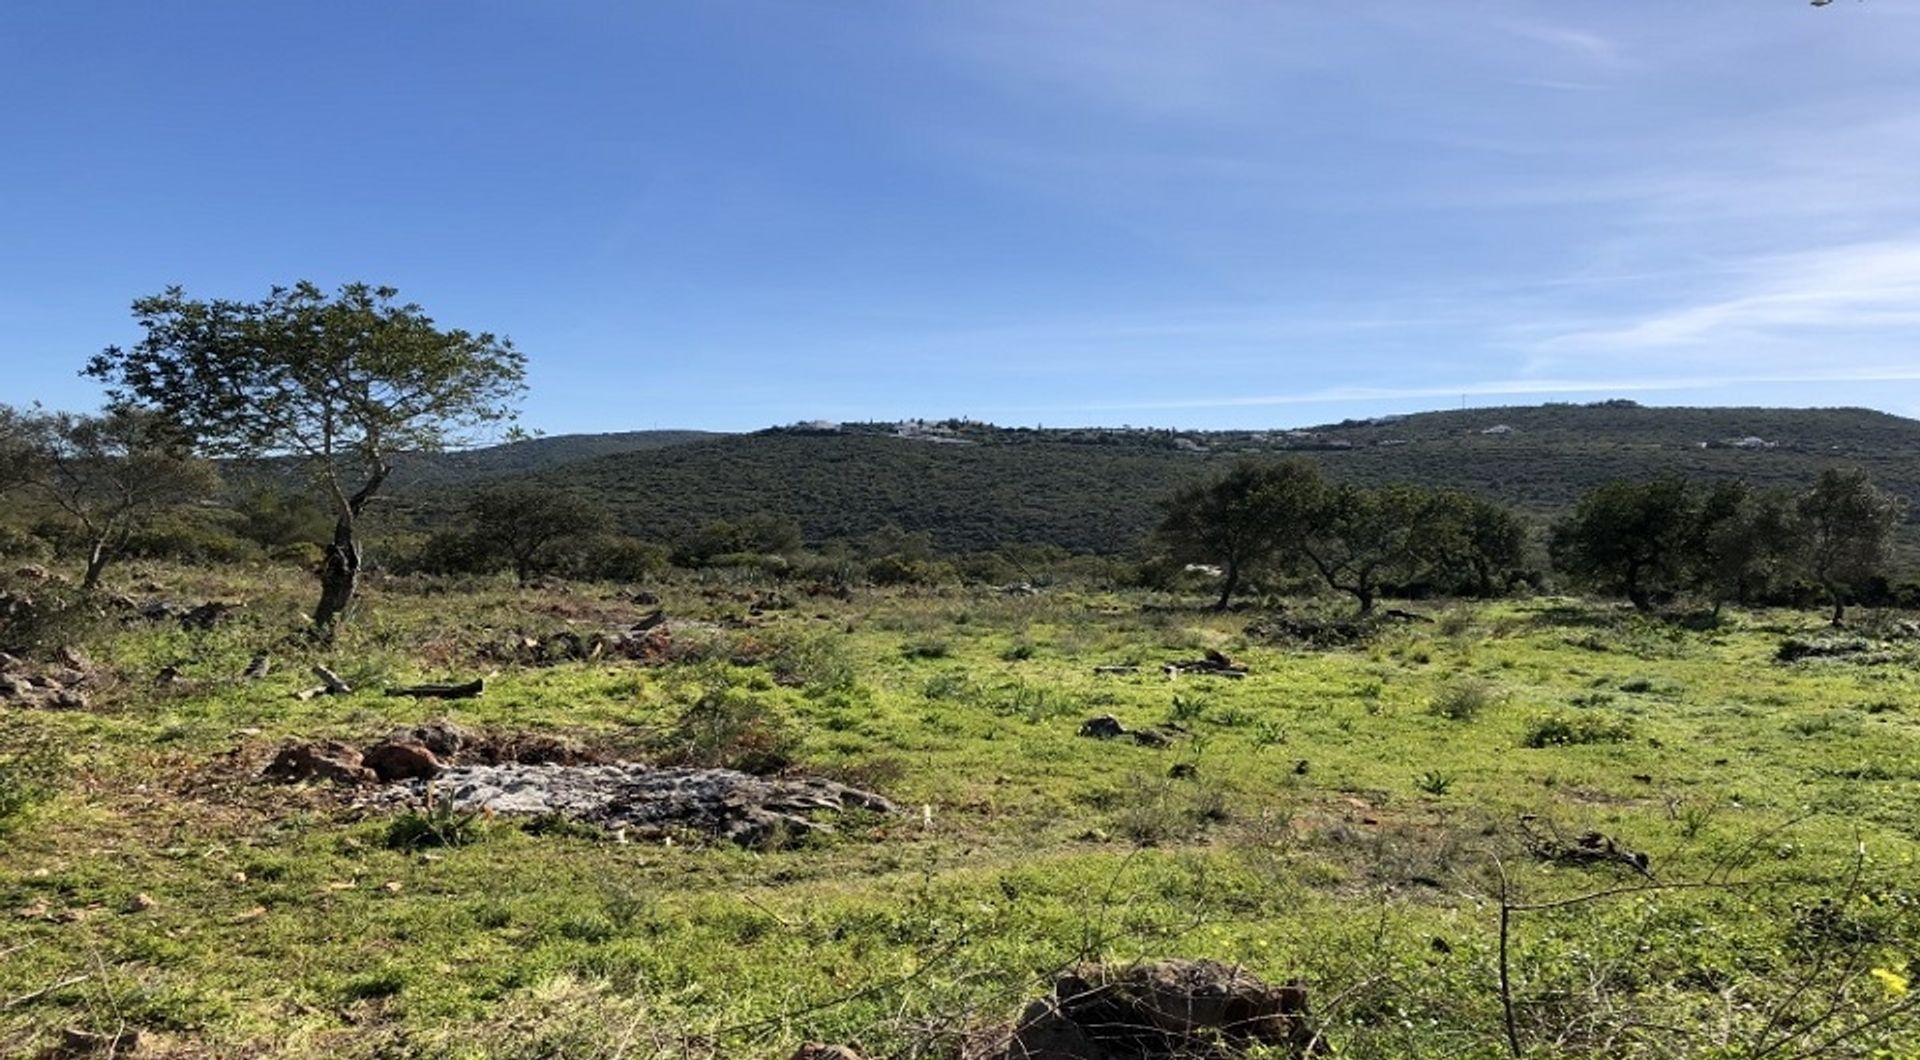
[730, 214]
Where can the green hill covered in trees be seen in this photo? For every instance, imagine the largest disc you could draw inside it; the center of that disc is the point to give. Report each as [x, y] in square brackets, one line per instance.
[976, 486]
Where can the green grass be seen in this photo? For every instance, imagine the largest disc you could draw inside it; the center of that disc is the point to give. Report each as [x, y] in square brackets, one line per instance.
[1345, 818]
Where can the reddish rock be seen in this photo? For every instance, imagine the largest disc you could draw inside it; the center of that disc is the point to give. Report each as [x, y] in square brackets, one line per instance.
[321, 760]
[401, 760]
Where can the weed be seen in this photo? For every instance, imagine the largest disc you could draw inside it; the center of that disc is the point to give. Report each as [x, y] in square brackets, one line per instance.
[1463, 700]
[733, 729]
[1434, 782]
[1562, 729]
[1188, 708]
[927, 649]
[438, 825]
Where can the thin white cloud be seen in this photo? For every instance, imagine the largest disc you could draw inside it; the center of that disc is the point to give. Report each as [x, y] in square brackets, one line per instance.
[1582, 43]
[1518, 388]
[1851, 288]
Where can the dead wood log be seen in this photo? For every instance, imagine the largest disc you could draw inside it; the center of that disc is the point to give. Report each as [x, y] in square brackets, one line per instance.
[465, 690]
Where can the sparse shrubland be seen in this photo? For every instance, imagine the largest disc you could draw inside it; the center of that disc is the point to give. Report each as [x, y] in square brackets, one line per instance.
[1354, 815]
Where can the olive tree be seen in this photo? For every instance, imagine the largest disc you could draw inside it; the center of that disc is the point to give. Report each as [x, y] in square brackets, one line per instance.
[109, 475]
[1249, 515]
[526, 524]
[1849, 524]
[338, 383]
[1633, 538]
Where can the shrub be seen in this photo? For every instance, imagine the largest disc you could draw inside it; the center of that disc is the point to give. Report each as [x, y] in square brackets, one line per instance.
[728, 728]
[1463, 700]
[1562, 729]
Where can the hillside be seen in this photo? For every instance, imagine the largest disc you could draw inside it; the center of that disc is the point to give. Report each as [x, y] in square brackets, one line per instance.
[976, 486]
[533, 454]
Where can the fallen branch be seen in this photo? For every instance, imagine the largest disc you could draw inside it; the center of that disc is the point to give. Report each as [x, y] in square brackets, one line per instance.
[330, 685]
[466, 690]
[36, 995]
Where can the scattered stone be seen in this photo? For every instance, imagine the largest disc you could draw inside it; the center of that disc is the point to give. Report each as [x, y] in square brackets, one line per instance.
[1793, 649]
[68, 699]
[1116, 669]
[1213, 663]
[401, 760]
[207, 615]
[75, 1042]
[442, 737]
[1589, 848]
[321, 760]
[258, 667]
[1313, 632]
[819, 1051]
[141, 903]
[1183, 771]
[32, 572]
[646, 598]
[646, 800]
[8, 663]
[1108, 727]
[1168, 1009]
[14, 686]
[72, 658]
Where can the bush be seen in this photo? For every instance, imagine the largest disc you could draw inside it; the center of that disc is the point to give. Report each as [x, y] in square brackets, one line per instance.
[39, 619]
[1562, 729]
[618, 558]
[727, 728]
[1463, 700]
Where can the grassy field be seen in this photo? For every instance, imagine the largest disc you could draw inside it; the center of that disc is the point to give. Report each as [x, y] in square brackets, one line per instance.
[1355, 818]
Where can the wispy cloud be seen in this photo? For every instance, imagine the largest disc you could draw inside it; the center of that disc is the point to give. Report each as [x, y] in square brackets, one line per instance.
[1515, 388]
[1583, 44]
[1865, 286]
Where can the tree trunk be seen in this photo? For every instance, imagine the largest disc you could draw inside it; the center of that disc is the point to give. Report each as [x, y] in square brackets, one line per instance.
[1839, 608]
[97, 560]
[1642, 601]
[1227, 585]
[340, 569]
[523, 570]
[1365, 595]
[339, 576]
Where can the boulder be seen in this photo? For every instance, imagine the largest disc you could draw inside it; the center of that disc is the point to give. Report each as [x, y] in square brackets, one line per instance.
[442, 737]
[1167, 1009]
[1103, 727]
[393, 760]
[319, 760]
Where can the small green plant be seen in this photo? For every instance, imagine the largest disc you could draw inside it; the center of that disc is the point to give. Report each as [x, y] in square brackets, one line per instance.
[950, 686]
[1563, 729]
[1269, 733]
[1233, 718]
[1463, 700]
[439, 824]
[1019, 651]
[926, 649]
[1434, 782]
[1188, 708]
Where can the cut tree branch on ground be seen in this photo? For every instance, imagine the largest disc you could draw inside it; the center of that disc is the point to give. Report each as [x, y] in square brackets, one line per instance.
[465, 690]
